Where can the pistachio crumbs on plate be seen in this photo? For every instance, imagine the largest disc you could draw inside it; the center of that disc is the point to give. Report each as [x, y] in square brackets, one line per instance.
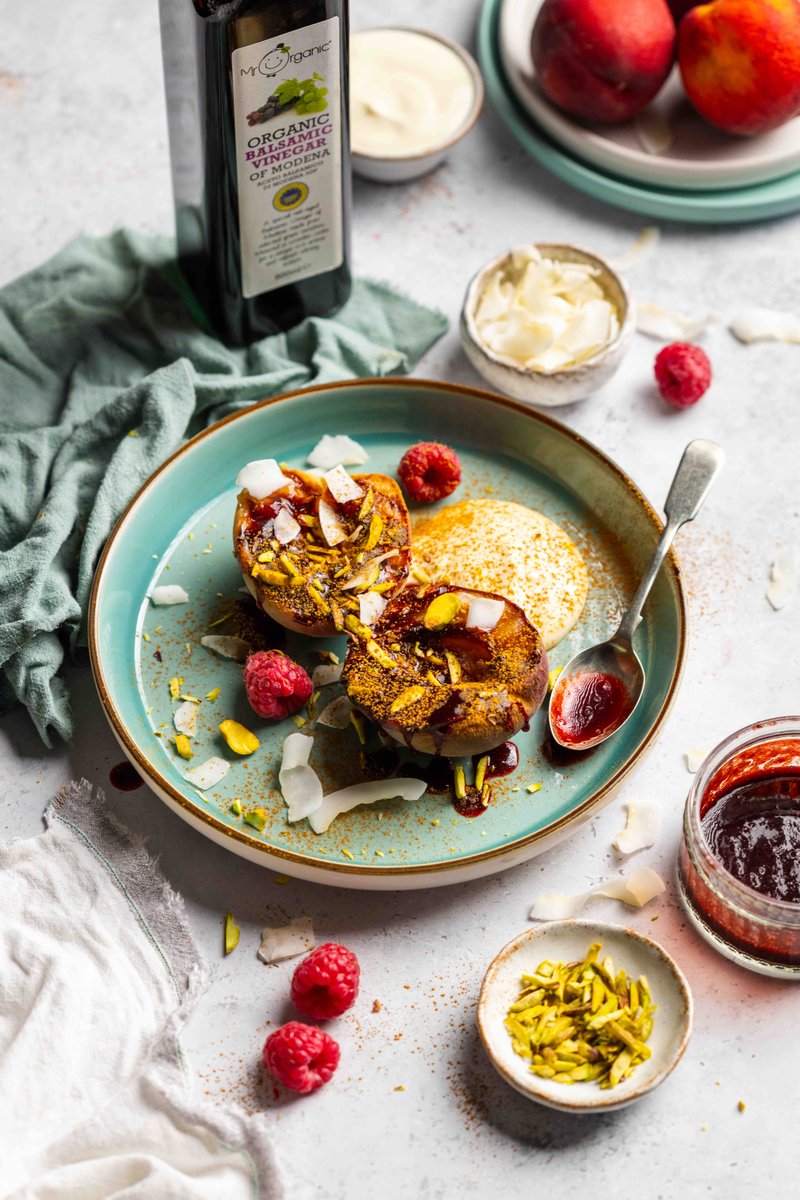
[582, 1021]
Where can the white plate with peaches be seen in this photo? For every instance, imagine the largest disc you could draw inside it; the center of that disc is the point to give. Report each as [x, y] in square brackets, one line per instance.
[657, 135]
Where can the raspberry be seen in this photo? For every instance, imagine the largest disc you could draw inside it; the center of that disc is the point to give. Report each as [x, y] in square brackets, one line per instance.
[325, 983]
[429, 471]
[300, 1057]
[683, 374]
[275, 685]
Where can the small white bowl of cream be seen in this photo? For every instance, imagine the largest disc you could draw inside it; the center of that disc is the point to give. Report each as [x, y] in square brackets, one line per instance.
[413, 95]
[547, 323]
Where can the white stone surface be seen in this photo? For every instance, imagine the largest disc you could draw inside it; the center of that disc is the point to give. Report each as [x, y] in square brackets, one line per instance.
[83, 147]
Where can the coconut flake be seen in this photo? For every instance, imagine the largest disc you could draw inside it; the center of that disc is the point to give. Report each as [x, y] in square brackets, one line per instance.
[227, 647]
[370, 607]
[285, 527]
[484, 613]
[336, 715]
[261, 478]
[645, 245]
[362, 576]
[169, 593]
[653, 131]
[755, 324]
[636, 889]
[287, 941]
[641, 829]
[332, 449]
[326, 673]
[342, 486]
[783, 577]
[363, 793]
[185, 718]
[299, 783]
[208, 773]
[668, 326]
[331, 524]
[694, 760]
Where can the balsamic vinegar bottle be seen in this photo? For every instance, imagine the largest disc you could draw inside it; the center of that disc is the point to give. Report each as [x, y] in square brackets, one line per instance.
[258, 127]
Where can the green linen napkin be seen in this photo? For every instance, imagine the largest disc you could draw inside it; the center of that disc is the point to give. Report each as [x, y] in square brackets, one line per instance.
[103, 373]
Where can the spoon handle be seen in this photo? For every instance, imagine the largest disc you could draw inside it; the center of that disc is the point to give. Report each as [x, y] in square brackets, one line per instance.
[701, 463]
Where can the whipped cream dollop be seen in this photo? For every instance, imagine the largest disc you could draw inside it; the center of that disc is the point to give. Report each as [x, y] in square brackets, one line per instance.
[409, 93]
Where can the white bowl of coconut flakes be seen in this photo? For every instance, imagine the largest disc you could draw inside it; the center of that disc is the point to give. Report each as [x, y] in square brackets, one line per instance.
[547, 323]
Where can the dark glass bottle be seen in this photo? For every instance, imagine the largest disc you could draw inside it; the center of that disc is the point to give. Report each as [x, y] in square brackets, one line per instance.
[258, 127]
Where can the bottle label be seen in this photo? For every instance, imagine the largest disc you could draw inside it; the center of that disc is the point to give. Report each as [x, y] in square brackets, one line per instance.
[287, 111]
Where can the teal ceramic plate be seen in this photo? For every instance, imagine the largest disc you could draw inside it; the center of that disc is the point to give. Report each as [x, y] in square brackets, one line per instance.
[730, 205]
[177, 530]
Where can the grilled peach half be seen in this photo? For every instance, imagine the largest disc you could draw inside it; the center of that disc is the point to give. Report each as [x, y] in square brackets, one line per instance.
[447, 670]
[308, 558]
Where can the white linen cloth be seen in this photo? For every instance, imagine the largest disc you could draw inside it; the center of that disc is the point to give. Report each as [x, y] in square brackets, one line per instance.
[98, 970]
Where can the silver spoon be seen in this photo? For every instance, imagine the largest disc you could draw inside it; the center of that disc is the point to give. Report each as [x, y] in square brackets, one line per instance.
[701, 463]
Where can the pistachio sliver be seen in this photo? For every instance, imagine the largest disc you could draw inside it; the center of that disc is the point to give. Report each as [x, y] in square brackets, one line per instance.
[441, 611]
[239, 739]
[453, 666]
[407, 697]
[374, 532]
[376, 651]
[366, 504]
[232, 932]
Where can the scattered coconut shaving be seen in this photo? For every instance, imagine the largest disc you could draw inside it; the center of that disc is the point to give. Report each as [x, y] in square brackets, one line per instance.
[694, 760]
[363, 793]
[336, 715]
[342, 486]
[755, 324]
[185, 718]
[484, 613]
[299, 784]
[654, 131]
[287, 941]
[227, 647]
[666, 326]
[333, 530]
[783, 580]
[285, 527]
[168, 593]
[636, 889]
[366, 573]
[208, 773]
[261, 478]
[302, 790]
[332, 449]
[370, 607]
[645, 245]
[641, 829]
[326, 673]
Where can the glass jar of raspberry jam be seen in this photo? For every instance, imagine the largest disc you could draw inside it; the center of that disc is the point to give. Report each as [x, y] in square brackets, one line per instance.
[739, 861]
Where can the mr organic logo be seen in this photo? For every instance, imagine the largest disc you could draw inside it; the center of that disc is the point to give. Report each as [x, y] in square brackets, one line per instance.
[276, 59]
[273, 61]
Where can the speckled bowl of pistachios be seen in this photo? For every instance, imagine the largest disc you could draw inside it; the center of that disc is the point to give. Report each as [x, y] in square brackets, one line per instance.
[583, 1016]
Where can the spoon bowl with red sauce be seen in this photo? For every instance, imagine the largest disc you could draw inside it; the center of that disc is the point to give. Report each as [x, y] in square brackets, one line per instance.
[599, 689]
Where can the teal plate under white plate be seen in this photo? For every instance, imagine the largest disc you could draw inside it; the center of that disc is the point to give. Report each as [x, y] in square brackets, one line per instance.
[775, 198]
[178, 530]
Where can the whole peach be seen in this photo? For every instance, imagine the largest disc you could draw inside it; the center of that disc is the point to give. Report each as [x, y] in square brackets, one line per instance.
[740, 63]
[603, 60]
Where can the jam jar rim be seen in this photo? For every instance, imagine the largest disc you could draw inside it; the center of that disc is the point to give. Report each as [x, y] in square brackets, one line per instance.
[755, 734]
